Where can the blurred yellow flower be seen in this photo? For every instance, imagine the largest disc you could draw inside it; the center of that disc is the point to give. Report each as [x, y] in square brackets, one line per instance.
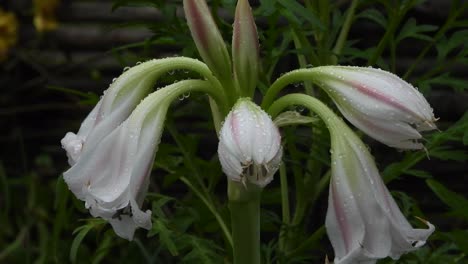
[8, 32]
[44, 15]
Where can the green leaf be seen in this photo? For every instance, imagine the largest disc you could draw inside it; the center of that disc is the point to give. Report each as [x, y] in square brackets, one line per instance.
[458, 237]
[82, 232]
[411, 30]
[449, 154]
[374, 15]
[165, 235]
[465, 138]
[61, 192]
[203, 251]
[450, 198]
[293, 118]
[418, 173]
[445, 46]
[296, 9]
[445, 79]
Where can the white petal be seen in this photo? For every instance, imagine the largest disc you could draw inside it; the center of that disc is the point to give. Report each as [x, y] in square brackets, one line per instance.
[379, 103]
[249, 139]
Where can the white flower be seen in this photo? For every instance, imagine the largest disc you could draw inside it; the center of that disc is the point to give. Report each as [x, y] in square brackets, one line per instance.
[379, 103]
[114, 107]
[250, 144]
[112, 178]
[363, 221]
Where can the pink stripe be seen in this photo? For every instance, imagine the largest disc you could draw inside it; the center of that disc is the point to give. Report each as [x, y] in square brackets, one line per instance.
[340, 214]
[235, 128]
[380, 97]
[198, 23]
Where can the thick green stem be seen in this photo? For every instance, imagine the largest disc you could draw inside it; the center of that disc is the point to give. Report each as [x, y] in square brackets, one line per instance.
[244, 204]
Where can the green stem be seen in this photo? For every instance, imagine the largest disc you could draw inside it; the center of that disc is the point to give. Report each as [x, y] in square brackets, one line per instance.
[218, 91]
[454, 13]
[284, 206]
[244, 204]
[212, 209]
[385, 39]
[302, 60]
[334, 124]
[288, 78]
[395, 15]
[344, 32]
[308, 243]
[298, 174]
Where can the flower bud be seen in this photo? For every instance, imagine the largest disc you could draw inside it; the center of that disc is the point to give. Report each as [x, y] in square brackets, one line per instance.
[245, 48]
[208, 39]
[379, 103]
[250, 144]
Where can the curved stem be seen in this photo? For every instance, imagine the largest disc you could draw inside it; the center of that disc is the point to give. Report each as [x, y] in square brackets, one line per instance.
[178, 63]
[288, 78]
[334, 124]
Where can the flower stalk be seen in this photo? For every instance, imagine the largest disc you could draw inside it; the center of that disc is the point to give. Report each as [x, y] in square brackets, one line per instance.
[244, 204]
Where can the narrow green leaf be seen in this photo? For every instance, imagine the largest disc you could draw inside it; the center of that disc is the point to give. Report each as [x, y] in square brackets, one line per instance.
[449, 154]
[82, 232]
[418, 173]
[374, 15]
[411, 30]
[301, 11]
[165, 236]
[450, 198]
[465, 138]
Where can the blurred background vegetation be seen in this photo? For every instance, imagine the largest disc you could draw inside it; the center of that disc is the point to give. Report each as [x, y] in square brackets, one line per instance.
[57, 56]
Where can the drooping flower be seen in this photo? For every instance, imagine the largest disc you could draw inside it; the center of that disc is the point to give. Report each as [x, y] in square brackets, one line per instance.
[113, 108]
[379, 103]
[363, 221]
[250, 144]
[112, 177]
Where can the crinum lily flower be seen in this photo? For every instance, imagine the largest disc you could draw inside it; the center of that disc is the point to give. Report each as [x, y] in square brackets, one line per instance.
[120, 99]
[379, 103]
[363, 221]
[250, 144]
[112, 178]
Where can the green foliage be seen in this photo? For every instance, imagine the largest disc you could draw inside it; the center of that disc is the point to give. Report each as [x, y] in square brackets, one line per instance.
[42, 222]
